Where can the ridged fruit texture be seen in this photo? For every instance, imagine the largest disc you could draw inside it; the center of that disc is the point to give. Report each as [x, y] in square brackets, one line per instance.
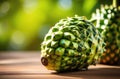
[72, 44]
[108, 22]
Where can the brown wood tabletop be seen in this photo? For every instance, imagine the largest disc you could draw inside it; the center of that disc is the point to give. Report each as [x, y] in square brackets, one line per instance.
[27, 65]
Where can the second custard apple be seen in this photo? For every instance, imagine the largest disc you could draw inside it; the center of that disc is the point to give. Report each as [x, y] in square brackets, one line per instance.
[72, 44]
[108, 22]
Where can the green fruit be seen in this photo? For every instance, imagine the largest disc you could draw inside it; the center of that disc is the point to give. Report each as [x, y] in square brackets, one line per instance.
[72, 44]
[108, 22]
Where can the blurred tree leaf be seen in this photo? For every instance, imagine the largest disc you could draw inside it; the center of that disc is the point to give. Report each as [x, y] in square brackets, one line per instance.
[8, 8]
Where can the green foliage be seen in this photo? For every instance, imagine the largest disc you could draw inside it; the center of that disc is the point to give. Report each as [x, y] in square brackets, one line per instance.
[24, 23]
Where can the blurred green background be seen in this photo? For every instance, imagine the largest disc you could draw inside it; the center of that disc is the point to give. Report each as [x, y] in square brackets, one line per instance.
[24, 23]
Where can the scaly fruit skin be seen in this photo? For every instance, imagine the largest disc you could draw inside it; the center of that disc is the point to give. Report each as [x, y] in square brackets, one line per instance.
[108, 22]
[72, 44]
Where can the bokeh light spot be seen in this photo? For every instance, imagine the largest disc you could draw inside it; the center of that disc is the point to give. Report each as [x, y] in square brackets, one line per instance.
[65, 4]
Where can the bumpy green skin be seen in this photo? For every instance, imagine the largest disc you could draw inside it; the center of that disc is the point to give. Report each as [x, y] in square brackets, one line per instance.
[108, 22]
[72, 44]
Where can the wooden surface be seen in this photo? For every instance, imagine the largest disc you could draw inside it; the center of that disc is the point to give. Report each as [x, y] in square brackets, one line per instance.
[26, 65]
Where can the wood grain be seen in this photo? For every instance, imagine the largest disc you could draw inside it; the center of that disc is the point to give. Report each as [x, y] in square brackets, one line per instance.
[27, 65]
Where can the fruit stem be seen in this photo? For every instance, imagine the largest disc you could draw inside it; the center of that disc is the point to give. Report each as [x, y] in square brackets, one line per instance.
[116, 3]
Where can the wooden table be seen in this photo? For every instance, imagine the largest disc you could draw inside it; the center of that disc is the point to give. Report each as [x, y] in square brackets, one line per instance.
[27, 65]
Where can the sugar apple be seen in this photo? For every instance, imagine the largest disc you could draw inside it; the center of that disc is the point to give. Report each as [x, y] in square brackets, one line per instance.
[72, 44]
[107, 20]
